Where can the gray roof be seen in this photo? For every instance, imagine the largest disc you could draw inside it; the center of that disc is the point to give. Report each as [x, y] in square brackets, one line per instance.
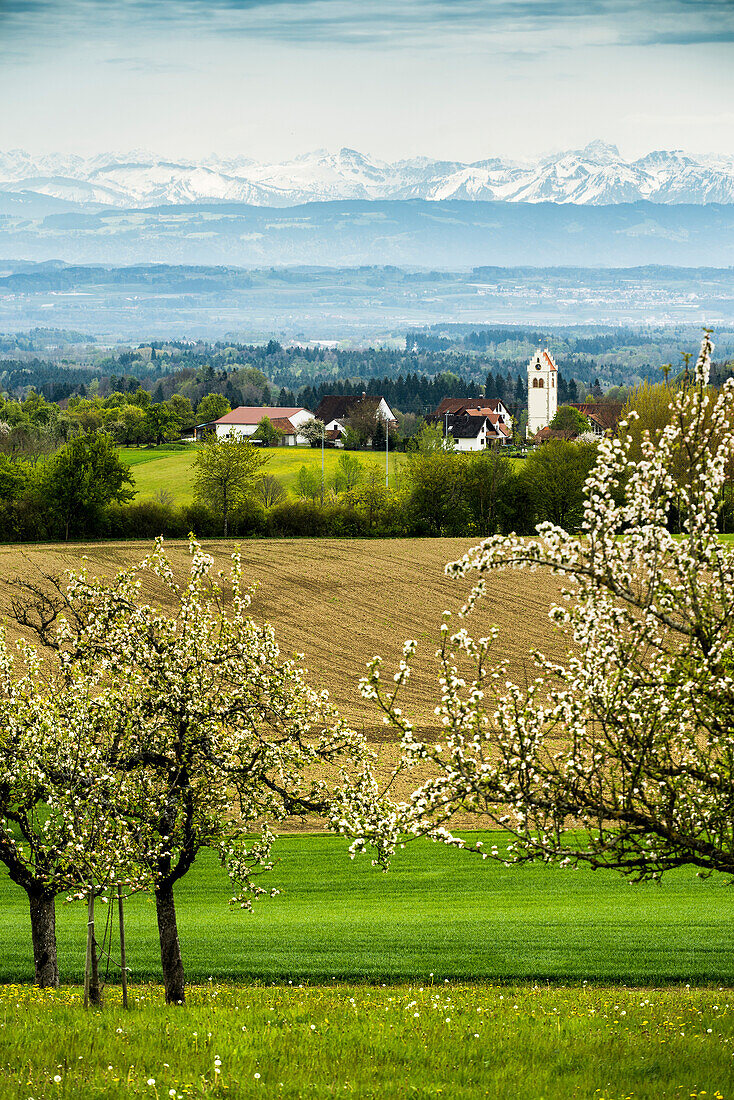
[465, 427]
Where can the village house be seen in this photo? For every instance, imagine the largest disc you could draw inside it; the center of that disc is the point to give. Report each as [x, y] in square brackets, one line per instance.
[603, 416]
[243, 422]
[474, 423]
[458, 406]
[335, 409]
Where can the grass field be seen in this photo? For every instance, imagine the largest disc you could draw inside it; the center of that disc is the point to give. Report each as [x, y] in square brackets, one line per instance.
[357, 983]
[437, 911]
[465, 979]
[339, 601]
[388, 1043]
[158, 471]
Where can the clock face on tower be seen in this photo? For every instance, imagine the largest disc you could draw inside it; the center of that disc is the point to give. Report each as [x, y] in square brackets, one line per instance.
[537, 366]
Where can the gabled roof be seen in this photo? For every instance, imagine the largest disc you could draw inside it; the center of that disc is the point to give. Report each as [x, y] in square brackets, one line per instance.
[337, 406]
[546, 434]
[605, 413]
[545, 359]
[492, 417]
[495, 404]
[459, 404]
[283, 424]
[465, 427]
[474, 406]
[253, 414]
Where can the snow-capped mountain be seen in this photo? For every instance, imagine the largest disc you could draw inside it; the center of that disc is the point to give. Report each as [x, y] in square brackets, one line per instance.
[596, 175]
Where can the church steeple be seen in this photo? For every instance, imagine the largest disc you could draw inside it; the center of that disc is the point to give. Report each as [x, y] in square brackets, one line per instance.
[542, 391]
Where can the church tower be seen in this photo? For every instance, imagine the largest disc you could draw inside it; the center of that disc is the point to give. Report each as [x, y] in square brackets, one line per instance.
[542, 391]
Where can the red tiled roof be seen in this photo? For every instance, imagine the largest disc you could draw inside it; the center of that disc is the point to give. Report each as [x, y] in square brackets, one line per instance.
[253, 414]
[283, 424]
[470, 406]
[605, 413]
[545, 434]
[459, 404]
[549, 359]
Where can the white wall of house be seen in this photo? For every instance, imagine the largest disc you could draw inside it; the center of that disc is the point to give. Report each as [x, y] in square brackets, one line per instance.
[384, 411]
[301, 417]
[469, 445]
[476, 443]
[224, 431]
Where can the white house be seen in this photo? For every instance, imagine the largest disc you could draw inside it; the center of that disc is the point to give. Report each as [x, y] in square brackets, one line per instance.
[244, 420]
[498, 416]
[470, 433]
[542, 391]
[476, 430]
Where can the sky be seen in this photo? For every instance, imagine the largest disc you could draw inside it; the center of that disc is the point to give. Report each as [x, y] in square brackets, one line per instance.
[454, 79]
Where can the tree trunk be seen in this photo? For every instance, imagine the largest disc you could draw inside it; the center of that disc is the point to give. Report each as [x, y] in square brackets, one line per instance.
[92, 992]
[225, 513]
[123, 953]
[173, 971]
[43, 930]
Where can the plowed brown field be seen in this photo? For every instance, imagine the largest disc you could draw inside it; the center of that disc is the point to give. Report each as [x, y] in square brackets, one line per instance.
[340, 601]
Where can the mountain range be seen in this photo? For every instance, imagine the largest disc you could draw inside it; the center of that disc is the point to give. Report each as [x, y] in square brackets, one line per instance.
[597, 175]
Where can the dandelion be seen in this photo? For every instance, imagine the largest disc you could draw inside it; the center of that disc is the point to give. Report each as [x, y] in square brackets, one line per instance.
[151, 1082]
[257, 1076]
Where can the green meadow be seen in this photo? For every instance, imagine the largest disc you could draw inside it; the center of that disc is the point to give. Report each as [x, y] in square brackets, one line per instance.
[157, 470]
[377, 1043]
[438, 912]
[447, 976]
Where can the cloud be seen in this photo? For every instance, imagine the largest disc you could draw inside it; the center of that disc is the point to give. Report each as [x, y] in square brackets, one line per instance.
[514, 25]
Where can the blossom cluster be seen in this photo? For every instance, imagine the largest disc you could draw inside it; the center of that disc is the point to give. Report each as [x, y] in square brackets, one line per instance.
[620, 755]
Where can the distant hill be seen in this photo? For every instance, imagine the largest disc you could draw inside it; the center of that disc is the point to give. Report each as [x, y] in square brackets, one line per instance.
[447, 234]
